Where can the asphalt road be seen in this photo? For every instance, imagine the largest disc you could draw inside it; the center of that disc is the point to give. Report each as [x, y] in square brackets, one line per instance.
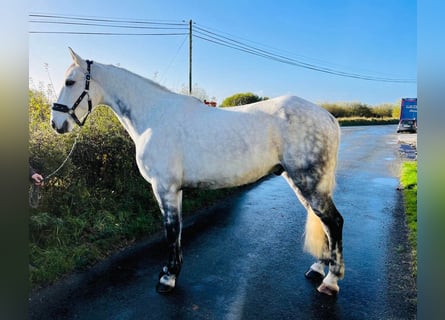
[243, 259]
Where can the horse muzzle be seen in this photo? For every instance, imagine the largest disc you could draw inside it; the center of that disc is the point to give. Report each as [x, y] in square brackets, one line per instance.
[62, 129]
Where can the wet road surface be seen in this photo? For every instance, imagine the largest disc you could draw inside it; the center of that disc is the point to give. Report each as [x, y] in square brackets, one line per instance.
[243, 259]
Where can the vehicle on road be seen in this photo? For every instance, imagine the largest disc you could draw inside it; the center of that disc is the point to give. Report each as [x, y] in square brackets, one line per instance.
[407, 125]
[408, 115]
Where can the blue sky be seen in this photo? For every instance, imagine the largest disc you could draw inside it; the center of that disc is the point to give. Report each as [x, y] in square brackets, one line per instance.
[375, 38]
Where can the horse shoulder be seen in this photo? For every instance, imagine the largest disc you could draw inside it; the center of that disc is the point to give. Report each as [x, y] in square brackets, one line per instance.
[158, 157]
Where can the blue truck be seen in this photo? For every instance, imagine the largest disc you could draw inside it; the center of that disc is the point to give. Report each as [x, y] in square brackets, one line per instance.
[408, 115]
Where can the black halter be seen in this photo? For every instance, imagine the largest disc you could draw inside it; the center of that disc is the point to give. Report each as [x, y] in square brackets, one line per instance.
[63, 108]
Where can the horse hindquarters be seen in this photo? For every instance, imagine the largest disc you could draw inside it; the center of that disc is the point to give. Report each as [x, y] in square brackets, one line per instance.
[309, 160]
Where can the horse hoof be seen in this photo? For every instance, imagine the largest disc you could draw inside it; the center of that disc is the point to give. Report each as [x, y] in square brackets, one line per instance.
[314, 275]
[163, 289]
[328, 290]
[166, 284]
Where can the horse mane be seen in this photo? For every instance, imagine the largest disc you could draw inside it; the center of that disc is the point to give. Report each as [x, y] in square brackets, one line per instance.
[135, 75]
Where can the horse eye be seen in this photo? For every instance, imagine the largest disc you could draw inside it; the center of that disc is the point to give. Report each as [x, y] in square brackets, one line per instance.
[69, 82]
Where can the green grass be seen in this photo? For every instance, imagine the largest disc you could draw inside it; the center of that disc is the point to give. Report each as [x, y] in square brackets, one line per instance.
[75, 240]
[408, 181]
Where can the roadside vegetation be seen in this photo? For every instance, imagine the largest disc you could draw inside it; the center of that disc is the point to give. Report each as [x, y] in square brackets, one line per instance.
[347, 113]
[241, 99]
[408, 182]
[98, 203]
[359, 114]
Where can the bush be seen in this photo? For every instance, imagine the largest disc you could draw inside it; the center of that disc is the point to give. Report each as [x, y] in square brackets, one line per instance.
[360, 110]
[384, 110]
[241, 99]
[337, 110]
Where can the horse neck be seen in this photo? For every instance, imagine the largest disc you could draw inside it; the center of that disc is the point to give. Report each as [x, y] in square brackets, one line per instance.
[136, 101]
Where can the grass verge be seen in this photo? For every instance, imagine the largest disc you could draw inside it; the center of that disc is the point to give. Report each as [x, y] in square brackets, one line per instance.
[408, 181]
[362, 121]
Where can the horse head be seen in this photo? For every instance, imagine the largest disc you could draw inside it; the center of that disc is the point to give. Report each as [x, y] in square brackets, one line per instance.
[77, 97]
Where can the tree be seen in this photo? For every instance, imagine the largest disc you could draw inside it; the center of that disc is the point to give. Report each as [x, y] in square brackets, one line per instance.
[241, 99]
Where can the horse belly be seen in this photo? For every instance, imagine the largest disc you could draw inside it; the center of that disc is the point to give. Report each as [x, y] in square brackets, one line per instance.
[228, 167]
[225, 178]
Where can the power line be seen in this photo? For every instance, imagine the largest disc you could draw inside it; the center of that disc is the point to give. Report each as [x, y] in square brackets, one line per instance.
[111, 20]
[108, 33]
[199, 32]
[65, 20]
[172, 60]
[225, 41]
[296, 63]
[106, 25]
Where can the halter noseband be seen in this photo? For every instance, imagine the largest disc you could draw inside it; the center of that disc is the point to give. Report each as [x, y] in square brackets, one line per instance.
[63, 108]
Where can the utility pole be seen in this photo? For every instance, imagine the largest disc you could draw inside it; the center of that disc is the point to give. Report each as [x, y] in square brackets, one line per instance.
[190, 57]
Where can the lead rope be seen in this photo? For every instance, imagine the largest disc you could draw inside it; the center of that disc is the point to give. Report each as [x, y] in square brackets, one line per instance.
[34, 190]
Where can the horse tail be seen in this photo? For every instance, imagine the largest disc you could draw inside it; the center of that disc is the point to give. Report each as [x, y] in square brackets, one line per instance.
[315, 240]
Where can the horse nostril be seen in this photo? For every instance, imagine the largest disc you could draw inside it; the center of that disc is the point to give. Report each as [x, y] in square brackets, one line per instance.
[62, 129]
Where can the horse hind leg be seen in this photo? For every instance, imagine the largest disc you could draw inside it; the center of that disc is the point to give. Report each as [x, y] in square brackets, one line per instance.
[332, 223]
[323, 230]
[317, 244]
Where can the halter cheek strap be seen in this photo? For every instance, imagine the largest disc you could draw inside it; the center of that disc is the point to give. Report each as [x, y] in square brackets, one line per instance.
[71, 111]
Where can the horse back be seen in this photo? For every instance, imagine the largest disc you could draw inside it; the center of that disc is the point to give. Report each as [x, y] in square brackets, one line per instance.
[213, 148]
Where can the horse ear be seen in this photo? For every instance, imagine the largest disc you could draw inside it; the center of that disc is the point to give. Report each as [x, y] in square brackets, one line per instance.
[77, 59]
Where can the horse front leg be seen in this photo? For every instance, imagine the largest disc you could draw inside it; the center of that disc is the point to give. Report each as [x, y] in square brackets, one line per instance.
[170, 205]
